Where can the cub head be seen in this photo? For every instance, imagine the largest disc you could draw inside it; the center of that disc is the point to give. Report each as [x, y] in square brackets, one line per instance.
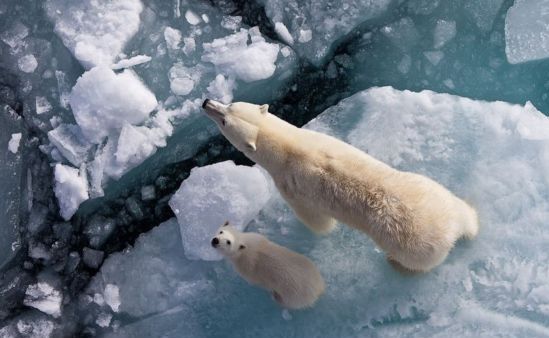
[227, 241]
[239, 122]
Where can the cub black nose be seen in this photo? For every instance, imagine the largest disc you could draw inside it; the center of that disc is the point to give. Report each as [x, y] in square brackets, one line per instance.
[215, 242]
[205, 103]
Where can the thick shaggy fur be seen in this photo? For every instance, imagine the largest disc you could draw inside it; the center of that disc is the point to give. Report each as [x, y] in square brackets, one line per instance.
[415, 220]
[293, 279]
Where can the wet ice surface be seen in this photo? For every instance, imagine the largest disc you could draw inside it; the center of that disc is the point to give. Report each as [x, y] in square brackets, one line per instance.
[104, 98]
[493, 285]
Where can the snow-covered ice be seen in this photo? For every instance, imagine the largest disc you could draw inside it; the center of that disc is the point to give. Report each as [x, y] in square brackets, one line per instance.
[45, 298]
[71, 143]
[95, 31]
[527, 31]
[13, 144]
[212, 195]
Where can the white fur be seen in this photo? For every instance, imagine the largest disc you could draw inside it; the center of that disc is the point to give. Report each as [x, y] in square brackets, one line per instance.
[415, 220]
[293, 280]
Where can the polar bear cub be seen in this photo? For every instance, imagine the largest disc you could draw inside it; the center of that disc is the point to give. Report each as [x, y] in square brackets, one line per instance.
[415, 220]
[293, 280]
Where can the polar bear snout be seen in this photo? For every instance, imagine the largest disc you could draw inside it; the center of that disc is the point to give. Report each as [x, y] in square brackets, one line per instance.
[215, 110]
[215, 242]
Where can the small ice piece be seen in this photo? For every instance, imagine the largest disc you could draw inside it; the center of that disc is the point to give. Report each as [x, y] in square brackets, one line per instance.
[42, 105]
[134, 208]
[39, 251]
[283, 33]
[95, 31]
[45, 298]
[133, 61]
[285, 51]
[286, 314]
[221, 89]
[233, 55]
[183, 79]
[403, 33]
[305, 35]
[27, 63]
[14, 36]
[92, 258]
[205, 18]
[527, 31]
[98, 230]
[70, 142]
[112, 297]
[63, 89]
[212, 195]
[13, 144]
[172, 37]
[103, 319]
[192, 18]
[148, 193]
[231, 22]
[34, 328]
[434, 57]
[444, 32]
[449, 83]
[189, 46]
[71, 189]
[103, 102]
[484, 12]
[405, 64]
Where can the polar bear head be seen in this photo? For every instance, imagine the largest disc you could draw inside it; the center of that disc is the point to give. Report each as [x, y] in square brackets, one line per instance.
[239, 122]
[227, 240]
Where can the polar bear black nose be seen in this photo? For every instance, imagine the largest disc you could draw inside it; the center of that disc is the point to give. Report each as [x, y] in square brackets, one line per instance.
[205, 103]
[215, 242]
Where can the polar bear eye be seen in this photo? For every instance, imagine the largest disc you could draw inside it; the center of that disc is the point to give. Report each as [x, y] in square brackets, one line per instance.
[221, 232]
[228, 242]
[223, 122]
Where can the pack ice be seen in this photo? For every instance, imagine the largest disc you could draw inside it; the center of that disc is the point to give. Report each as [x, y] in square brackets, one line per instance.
[493, 154]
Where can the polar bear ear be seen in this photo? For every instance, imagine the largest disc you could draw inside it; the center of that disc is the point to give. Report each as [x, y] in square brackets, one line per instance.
[251, 146]
[226, 223]
[241, 247]
[264, 108]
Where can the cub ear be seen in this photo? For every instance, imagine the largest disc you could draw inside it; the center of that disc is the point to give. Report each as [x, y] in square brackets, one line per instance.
[226, 223]
[251, 146]
[241, 247]
[264, 108]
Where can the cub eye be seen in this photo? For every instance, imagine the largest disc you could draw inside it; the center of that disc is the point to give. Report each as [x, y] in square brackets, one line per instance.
[228, 242]
[223, 122]
[221, 232]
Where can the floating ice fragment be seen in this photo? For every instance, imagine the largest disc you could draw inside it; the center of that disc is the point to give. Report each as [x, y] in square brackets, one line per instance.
[221, 89]
[444, 32]
[133, 61]
[42, 105]
[305, 35]
[27, 63]
[70, 142]
[172, 37]
[112, 297]
[283, 33]
[13, 144]
[92, 258]
[192, 18]
[45, 298]
[71, 189]
[434, 57]
[212, 195]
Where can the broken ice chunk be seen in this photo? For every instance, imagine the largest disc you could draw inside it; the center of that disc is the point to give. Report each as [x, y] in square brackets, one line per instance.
[71, 189]
[305, 35]
[44, 297]
[233, 55]
[183, 79]
[103, 319]
[403, 33]
[283, 33]
[27, 63]
[133, 61]
[112, 297]
[434, 57]
[444, 32]
[210, 196]
[13, 144]
[221, 89]
[483, 12]
[92, 258]
[527, 31]
[172, 37]
[70, 142]
[192, 18]
[95, 31]
[42, 105]
[98, 230]
[102, 102]
[148, 193]
[14, 36]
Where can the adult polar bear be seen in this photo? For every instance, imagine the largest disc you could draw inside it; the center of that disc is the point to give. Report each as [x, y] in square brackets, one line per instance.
[415, 220]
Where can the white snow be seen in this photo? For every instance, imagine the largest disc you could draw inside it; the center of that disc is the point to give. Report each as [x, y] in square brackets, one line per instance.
[444, 32]
[44, 297]
[95, 31]
[172, 37]
[13, 144]
[71, 189]
[112, 297]
[527, 31]
[192, 18]
[133, 61]
[221, 89]
[283, 33]
[27, 63]
[102, 102]
[234, 57]
[212, 195]
[70, 142]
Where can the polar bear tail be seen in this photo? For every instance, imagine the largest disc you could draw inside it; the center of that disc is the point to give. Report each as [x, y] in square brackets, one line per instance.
[470, 222]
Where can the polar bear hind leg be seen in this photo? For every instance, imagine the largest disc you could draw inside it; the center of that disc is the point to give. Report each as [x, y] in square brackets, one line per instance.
[313, 219]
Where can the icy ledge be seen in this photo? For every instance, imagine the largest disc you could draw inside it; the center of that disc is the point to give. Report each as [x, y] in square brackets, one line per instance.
[494, 154]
